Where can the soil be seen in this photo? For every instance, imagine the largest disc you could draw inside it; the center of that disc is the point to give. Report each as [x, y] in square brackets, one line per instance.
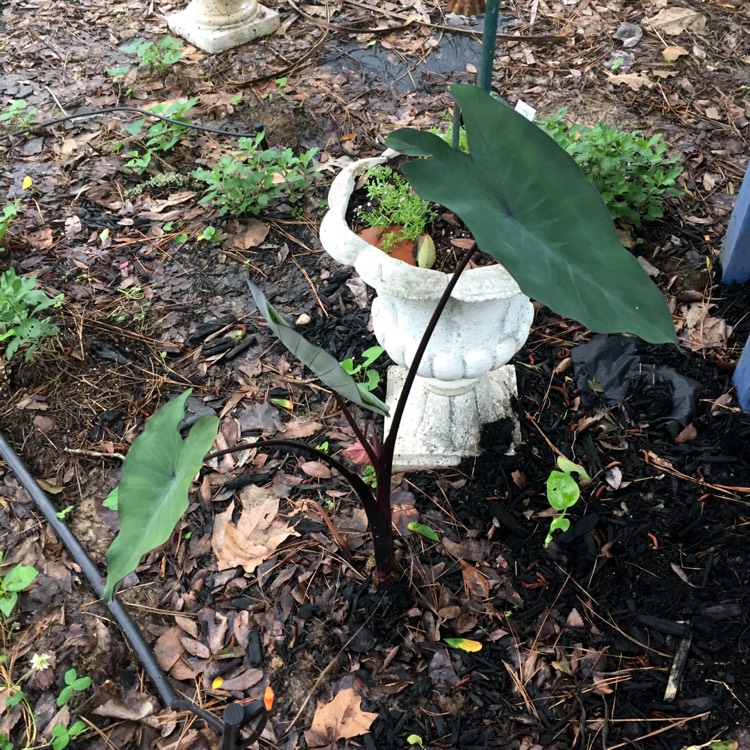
[631, 630]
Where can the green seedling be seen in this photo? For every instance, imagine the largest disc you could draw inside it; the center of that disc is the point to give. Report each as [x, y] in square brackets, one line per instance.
[280, 92]
[62, 736]
[210, 234]
[633, 174]
[370, 476]
[563, 493]
[392, 201]
[73, 684]
[20, 305]
[163, 136]
[18, 578]
[156, 56]
[368, 378]
[18, 114]
[138, 162]
[10, 211]
[254, 179]
[415, 739]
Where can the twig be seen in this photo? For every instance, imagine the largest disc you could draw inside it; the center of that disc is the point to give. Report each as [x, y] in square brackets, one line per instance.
[57, 101]
[94, 454]
[678, 666]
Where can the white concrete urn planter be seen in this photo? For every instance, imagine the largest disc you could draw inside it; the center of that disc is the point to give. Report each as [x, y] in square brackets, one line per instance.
[219, 25]
[464, 380]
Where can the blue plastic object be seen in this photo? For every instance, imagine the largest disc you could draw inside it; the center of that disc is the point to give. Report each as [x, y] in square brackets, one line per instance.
[735, 262]
[735, 254]
[742, 379]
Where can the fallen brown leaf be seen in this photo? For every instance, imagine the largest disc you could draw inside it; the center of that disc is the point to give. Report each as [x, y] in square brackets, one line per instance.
[256, 535]
[676, 20]
[476, 583]
[672, 53]
[168, 648]
[632, 80]
[340, 719]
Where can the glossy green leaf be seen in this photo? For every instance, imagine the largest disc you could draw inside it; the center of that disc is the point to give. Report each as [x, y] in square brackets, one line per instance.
[530, 207]
[323, 364]
[562, 490]
[422, 530]
[153, 490]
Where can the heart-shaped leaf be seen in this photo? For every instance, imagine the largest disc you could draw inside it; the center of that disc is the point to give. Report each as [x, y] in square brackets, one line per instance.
[530, 207]
[562, 490]
[323, 364]
[154, 485]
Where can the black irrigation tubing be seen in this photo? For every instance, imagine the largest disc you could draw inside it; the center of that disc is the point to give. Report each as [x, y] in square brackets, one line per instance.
[137, 110]
[116, 609]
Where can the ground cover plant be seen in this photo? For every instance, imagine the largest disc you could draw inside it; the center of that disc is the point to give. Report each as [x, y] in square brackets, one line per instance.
[574, 644]
[393, 202]
[633, 173]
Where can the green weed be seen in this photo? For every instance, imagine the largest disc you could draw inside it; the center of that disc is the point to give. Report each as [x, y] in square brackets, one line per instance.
[254, 178]
[20, 305]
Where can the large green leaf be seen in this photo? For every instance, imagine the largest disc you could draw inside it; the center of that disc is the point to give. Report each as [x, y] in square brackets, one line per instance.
[323, 364]
[529, 206]
[154, 485]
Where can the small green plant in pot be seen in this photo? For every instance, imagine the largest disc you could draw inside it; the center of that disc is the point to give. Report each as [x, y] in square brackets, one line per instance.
[397, 215]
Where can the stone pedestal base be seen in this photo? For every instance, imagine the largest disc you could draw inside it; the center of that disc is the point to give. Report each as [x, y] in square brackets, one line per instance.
[440, 428]
[219, 25]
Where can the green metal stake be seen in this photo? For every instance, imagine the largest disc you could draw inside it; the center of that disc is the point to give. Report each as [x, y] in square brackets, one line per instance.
[484, 81]
[489, 37]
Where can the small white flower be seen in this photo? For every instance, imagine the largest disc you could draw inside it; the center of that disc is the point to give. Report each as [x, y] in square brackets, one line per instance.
[40, 662]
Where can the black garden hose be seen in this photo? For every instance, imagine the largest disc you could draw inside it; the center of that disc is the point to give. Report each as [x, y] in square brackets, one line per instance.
[78, 553]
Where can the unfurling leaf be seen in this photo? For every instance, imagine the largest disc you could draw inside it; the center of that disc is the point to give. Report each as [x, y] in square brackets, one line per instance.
[464, 644]
[422, 530]
[425, 251]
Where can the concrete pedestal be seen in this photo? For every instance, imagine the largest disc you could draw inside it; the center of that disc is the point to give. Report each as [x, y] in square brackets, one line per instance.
[440, 426]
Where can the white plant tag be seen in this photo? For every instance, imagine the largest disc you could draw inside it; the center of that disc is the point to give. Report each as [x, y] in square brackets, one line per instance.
[526, 110]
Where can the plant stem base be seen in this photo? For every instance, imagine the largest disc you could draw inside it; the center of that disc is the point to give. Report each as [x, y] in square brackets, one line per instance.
[218, 25]
[440, 427]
